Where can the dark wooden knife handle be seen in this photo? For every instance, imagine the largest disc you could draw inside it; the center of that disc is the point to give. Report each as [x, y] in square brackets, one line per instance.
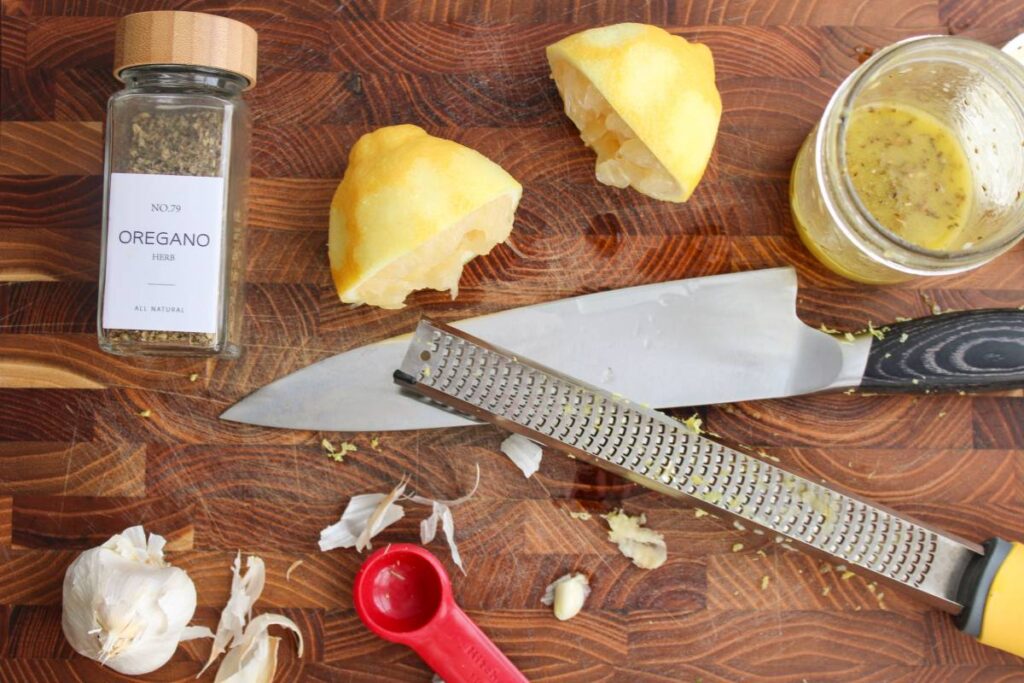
[949, 352]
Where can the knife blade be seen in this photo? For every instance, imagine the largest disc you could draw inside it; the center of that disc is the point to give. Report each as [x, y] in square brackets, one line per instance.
[715, 339]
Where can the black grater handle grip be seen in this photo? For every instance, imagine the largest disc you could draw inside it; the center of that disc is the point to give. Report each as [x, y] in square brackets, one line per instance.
[965, 350]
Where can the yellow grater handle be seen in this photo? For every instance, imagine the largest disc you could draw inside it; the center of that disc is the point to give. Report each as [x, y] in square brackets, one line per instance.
[1002, 625]
[992, 593]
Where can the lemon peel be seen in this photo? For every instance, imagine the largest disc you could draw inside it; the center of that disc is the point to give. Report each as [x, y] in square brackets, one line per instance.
[694, 424]
[645, 101]
[410, 212]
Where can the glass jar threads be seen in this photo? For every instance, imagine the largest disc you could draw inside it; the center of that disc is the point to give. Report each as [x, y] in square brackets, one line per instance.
[175, 180]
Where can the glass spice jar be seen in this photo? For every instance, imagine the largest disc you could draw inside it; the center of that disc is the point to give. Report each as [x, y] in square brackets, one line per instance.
[175, 181]
[966, 100]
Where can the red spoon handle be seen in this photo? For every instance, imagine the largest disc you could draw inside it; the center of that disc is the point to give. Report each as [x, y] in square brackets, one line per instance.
[460, 652]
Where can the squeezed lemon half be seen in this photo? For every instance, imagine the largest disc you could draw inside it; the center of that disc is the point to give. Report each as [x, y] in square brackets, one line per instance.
[410, 212]
[645, 101]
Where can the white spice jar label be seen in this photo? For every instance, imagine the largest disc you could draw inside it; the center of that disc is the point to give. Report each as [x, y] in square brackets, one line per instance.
[164, 253]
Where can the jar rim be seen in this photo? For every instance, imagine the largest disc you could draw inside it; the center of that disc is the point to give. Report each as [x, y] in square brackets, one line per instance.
[142, 70]
[874, 239]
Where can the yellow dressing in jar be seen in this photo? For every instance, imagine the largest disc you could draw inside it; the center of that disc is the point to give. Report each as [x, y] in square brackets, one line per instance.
[910, 172]
[916, 167]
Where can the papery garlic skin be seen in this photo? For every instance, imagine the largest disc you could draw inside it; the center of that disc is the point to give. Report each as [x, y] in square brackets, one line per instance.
[254, 664]
[245, 591]
[253, 657]
[440, 512]
[124, 606]
[354, 528]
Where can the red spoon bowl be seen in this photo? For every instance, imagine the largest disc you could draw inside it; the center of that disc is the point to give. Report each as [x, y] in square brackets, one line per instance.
[403, 594]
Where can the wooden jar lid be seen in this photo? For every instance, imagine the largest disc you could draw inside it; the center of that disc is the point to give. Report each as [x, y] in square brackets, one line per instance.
[191, 38]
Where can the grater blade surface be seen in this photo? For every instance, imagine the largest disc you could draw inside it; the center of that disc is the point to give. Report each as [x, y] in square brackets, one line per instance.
[659, 452]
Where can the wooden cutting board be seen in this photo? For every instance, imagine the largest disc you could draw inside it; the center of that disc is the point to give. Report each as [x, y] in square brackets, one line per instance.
[78, 463]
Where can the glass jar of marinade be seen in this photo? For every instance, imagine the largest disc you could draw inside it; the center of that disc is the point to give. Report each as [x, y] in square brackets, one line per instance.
[176, 174]
[917, 165]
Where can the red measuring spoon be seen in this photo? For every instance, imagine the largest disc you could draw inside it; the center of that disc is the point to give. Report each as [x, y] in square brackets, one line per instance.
[403, 594]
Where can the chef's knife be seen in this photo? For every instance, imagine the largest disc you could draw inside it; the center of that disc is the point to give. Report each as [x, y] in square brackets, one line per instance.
[700, 341]
[983, 584]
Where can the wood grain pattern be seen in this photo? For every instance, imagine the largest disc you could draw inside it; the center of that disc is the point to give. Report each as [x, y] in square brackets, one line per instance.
[80, 469]
[6, 503]
[33, 148]
[78, 461]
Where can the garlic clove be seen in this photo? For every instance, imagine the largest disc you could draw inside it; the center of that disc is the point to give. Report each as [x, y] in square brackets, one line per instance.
[524, 453]
[646, 547]
[567, 594]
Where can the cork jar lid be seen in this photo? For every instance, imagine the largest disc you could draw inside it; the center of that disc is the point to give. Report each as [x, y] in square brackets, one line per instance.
[186, 38]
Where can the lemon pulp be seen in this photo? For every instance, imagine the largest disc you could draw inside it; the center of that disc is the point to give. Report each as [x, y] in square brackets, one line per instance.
[437, 264]
[622, 159]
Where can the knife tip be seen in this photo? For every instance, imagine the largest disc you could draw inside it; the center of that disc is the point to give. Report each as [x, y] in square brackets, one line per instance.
[226, 416]
[231, 415]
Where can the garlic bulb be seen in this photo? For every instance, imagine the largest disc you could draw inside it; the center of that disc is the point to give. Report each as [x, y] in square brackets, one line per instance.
[127, 608]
